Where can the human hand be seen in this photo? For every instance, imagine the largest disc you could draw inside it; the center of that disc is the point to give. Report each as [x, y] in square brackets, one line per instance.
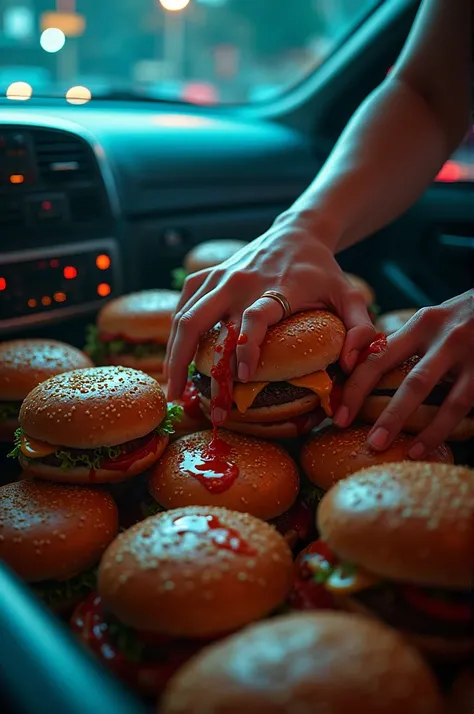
[288, 259]
[444, 338]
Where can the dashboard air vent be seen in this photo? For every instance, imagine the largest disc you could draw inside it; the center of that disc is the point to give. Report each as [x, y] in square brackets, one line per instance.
[63, 159]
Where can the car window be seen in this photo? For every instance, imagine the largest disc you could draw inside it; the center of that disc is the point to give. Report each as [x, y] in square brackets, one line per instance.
[200, 51]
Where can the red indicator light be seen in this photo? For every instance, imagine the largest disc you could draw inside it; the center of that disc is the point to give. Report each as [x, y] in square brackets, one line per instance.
[103, 289]
[42, 264]
[54, 263]
[70, 272]
[59, 297]
[46, 300]
[46, 205]
[17, 178]
[32, 302]
[102, 262]
[3, 284]
[450, 172]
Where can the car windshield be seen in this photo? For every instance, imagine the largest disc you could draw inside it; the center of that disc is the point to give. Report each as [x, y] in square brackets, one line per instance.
[198, 51]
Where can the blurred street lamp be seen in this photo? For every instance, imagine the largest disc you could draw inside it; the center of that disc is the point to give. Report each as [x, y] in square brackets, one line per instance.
[174, 5]
[52, 40]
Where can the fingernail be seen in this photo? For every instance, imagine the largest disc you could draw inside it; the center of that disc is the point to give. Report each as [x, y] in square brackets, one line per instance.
[379, 439]
[416, 452]
[218, 415]
[342, 417]
[244, 372]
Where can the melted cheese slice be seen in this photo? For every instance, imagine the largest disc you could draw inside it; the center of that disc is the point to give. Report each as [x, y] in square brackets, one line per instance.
[245, 394]
[343, 583]
[34, 449]
[320, 383]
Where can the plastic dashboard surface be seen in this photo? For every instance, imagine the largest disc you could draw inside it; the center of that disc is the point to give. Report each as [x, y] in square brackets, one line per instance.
[169, 160]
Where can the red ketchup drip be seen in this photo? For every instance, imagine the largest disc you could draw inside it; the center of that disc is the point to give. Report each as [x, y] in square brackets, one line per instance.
[307, 594]
[222, 373]
[221, 536]
[378, 345]
[211, 466]
[190, 401]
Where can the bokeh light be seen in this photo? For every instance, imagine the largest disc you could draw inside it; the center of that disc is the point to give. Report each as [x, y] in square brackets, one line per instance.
[52, 40]
[174, 5]
[78, 95]
[19, 91]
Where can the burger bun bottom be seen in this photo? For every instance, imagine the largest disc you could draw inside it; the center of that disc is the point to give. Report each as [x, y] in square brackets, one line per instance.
[436, 649]
[287, 429]
[81, 474]
[373, 407]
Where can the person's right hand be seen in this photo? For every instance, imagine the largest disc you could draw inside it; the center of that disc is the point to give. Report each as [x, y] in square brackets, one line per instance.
[288, 259]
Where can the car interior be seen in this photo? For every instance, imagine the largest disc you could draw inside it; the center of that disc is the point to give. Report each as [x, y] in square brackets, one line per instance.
[104, 195]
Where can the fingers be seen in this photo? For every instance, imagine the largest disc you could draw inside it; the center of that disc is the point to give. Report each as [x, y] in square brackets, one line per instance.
[412, 392]
[456, 406]
[191, 324]
[359, 326]
[400, 346]
[255, 321]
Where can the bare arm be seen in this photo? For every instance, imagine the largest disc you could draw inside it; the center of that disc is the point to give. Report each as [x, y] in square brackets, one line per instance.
[400, 136]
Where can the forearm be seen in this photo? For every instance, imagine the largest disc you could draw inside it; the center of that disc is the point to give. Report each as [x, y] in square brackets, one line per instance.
[388, 154]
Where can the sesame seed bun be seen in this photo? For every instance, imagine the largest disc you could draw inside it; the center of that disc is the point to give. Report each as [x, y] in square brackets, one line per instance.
[390, 322]
[211, 253]
[363, 287]
[26, 363]
[88, 408]
[269, 415]
[145, 315]
[409, 522]
[159, 578]
[286, 429]
[334, 454]
[266, 486]
[53, 532]
[153, 365]
[322, 662]
[304, 343]
[82, 474]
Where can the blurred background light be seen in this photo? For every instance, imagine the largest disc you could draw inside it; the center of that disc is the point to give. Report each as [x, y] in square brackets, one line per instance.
[52, 40]
[78, 95]
[19, 91]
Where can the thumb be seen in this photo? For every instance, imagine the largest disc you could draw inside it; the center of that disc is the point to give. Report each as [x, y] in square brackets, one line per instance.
[359, 326]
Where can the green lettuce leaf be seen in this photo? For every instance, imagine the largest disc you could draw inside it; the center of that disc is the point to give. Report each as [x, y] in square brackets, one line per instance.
[174, 414]
[178, 276]
[90, 461]
[55, 592]
[9, 410]
[94, 347]
[191, 370]
[16, 451]
[148, 349]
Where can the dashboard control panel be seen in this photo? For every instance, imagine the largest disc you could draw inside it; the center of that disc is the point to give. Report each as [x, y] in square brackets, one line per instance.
[53, 283]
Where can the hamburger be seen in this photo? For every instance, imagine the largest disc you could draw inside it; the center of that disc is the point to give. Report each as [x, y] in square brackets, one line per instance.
[334, 454]
[291, 388]
[133, 331]
[243, 474]
[23, 365]
[390, 322]
[378, 400]
[176, 581]
[367, 293]
[192, 417]
[52, 536]
[329, 662]
[205, 255]
[399, 539]
[96, 425]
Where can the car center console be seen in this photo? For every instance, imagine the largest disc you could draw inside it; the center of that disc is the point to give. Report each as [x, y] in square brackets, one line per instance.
[59, 224]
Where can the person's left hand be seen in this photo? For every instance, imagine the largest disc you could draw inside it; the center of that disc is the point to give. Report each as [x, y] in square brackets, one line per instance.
[444, 338]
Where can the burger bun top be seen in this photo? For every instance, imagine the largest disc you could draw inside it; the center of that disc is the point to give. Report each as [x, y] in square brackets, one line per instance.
[145, 315]
[88, 408]
[305, 342]
[54, 532]
[410, 522]
[26, 363]
[211, 253]
[306, 662]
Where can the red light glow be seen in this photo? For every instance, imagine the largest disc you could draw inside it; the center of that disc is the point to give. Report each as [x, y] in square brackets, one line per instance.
[103, 289]
[46, 205]
[59, 297]
[46, 300]
[451, 171]
[54, 263]
[102, 262]
[70, 272]
[3, 284]
[32, 302]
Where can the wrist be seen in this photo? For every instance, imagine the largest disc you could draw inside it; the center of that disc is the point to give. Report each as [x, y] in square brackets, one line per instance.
[313, 222]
